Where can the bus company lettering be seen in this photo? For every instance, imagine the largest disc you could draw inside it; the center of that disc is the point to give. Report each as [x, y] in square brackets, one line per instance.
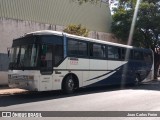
[73, 62]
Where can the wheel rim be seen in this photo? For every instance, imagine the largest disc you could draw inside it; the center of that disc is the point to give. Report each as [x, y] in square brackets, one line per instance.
[70, 84]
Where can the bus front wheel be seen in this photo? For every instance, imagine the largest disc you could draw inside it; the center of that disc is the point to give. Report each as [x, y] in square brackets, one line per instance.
[68, 85]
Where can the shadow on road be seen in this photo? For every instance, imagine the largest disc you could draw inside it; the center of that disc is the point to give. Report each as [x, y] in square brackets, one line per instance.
[28, 97]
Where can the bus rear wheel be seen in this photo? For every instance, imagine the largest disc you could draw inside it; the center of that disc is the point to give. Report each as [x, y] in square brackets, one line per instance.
[68, 85]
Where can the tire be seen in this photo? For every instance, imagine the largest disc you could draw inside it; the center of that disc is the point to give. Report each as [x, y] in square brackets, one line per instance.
[68, 85]
[137, 80]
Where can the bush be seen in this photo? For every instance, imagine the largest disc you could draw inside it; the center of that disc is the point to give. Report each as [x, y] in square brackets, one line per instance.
[77, 30]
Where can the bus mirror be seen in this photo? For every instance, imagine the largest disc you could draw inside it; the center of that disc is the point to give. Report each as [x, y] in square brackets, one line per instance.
[8, 51]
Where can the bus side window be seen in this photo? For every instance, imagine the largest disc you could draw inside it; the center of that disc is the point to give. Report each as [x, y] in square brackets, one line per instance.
[110, 52]
[123, 54]
[131, 54]
[77, 48]
[72, 47]
[99, 51]
[114, 53]
[91, 49]
[118, 53]
[82, 49]
[58, 54]
[103, 48]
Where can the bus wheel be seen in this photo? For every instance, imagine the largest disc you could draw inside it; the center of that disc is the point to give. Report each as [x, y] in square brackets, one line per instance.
[68, 85]
[137, 80]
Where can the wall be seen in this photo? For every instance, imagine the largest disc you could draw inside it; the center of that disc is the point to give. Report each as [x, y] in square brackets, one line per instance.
[3, 68]
[96, 17]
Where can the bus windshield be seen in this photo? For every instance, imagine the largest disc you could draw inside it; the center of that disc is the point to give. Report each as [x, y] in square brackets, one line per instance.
[45, 52]
[24, 56]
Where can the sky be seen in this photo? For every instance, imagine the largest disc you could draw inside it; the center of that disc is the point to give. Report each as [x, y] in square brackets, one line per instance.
[113, 4]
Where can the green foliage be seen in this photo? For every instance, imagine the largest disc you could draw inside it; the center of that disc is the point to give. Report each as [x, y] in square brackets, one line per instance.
[127, 3]
[77, 30]
[121, 23]
[147, 28]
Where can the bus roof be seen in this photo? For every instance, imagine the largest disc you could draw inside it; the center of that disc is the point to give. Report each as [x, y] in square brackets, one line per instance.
[51, 32]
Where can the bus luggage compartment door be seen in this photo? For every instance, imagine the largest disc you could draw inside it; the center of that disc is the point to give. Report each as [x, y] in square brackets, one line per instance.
[45, 83]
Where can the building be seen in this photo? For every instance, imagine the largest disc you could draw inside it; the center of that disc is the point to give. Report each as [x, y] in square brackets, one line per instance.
[18, 17]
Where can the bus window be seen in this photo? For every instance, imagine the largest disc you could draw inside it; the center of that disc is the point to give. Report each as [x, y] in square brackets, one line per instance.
[114, 53]
[98, 51]
[110, 52]
[73, 47]
[123, 54]
[91, 49]
[82, 51]
[117, 53]
[57, 54]
[77, 48]
[130, 52]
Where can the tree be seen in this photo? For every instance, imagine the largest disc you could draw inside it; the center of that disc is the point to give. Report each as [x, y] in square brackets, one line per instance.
[147, 28]
[76, 30]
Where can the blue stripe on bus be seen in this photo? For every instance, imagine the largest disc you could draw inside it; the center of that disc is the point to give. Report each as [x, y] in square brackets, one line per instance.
[111, 71]
[123, 75]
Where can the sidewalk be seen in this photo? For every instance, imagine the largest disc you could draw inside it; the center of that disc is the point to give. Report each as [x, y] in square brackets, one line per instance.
[5, 90]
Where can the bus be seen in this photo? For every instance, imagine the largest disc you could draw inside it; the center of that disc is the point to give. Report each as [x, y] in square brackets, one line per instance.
[50, 60]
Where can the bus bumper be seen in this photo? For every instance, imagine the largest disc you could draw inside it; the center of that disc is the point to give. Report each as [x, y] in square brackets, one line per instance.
[27, 84]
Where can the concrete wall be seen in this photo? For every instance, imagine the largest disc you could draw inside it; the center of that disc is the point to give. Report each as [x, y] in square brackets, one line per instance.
[3, 78]
[4, 62]
[105, 36]
[96, 17]
[12, 28]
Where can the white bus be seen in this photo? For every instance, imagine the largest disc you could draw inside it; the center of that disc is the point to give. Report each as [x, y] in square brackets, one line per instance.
[50, 60]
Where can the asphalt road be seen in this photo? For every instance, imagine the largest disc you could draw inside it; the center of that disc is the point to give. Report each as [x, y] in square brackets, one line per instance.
[110, 98]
